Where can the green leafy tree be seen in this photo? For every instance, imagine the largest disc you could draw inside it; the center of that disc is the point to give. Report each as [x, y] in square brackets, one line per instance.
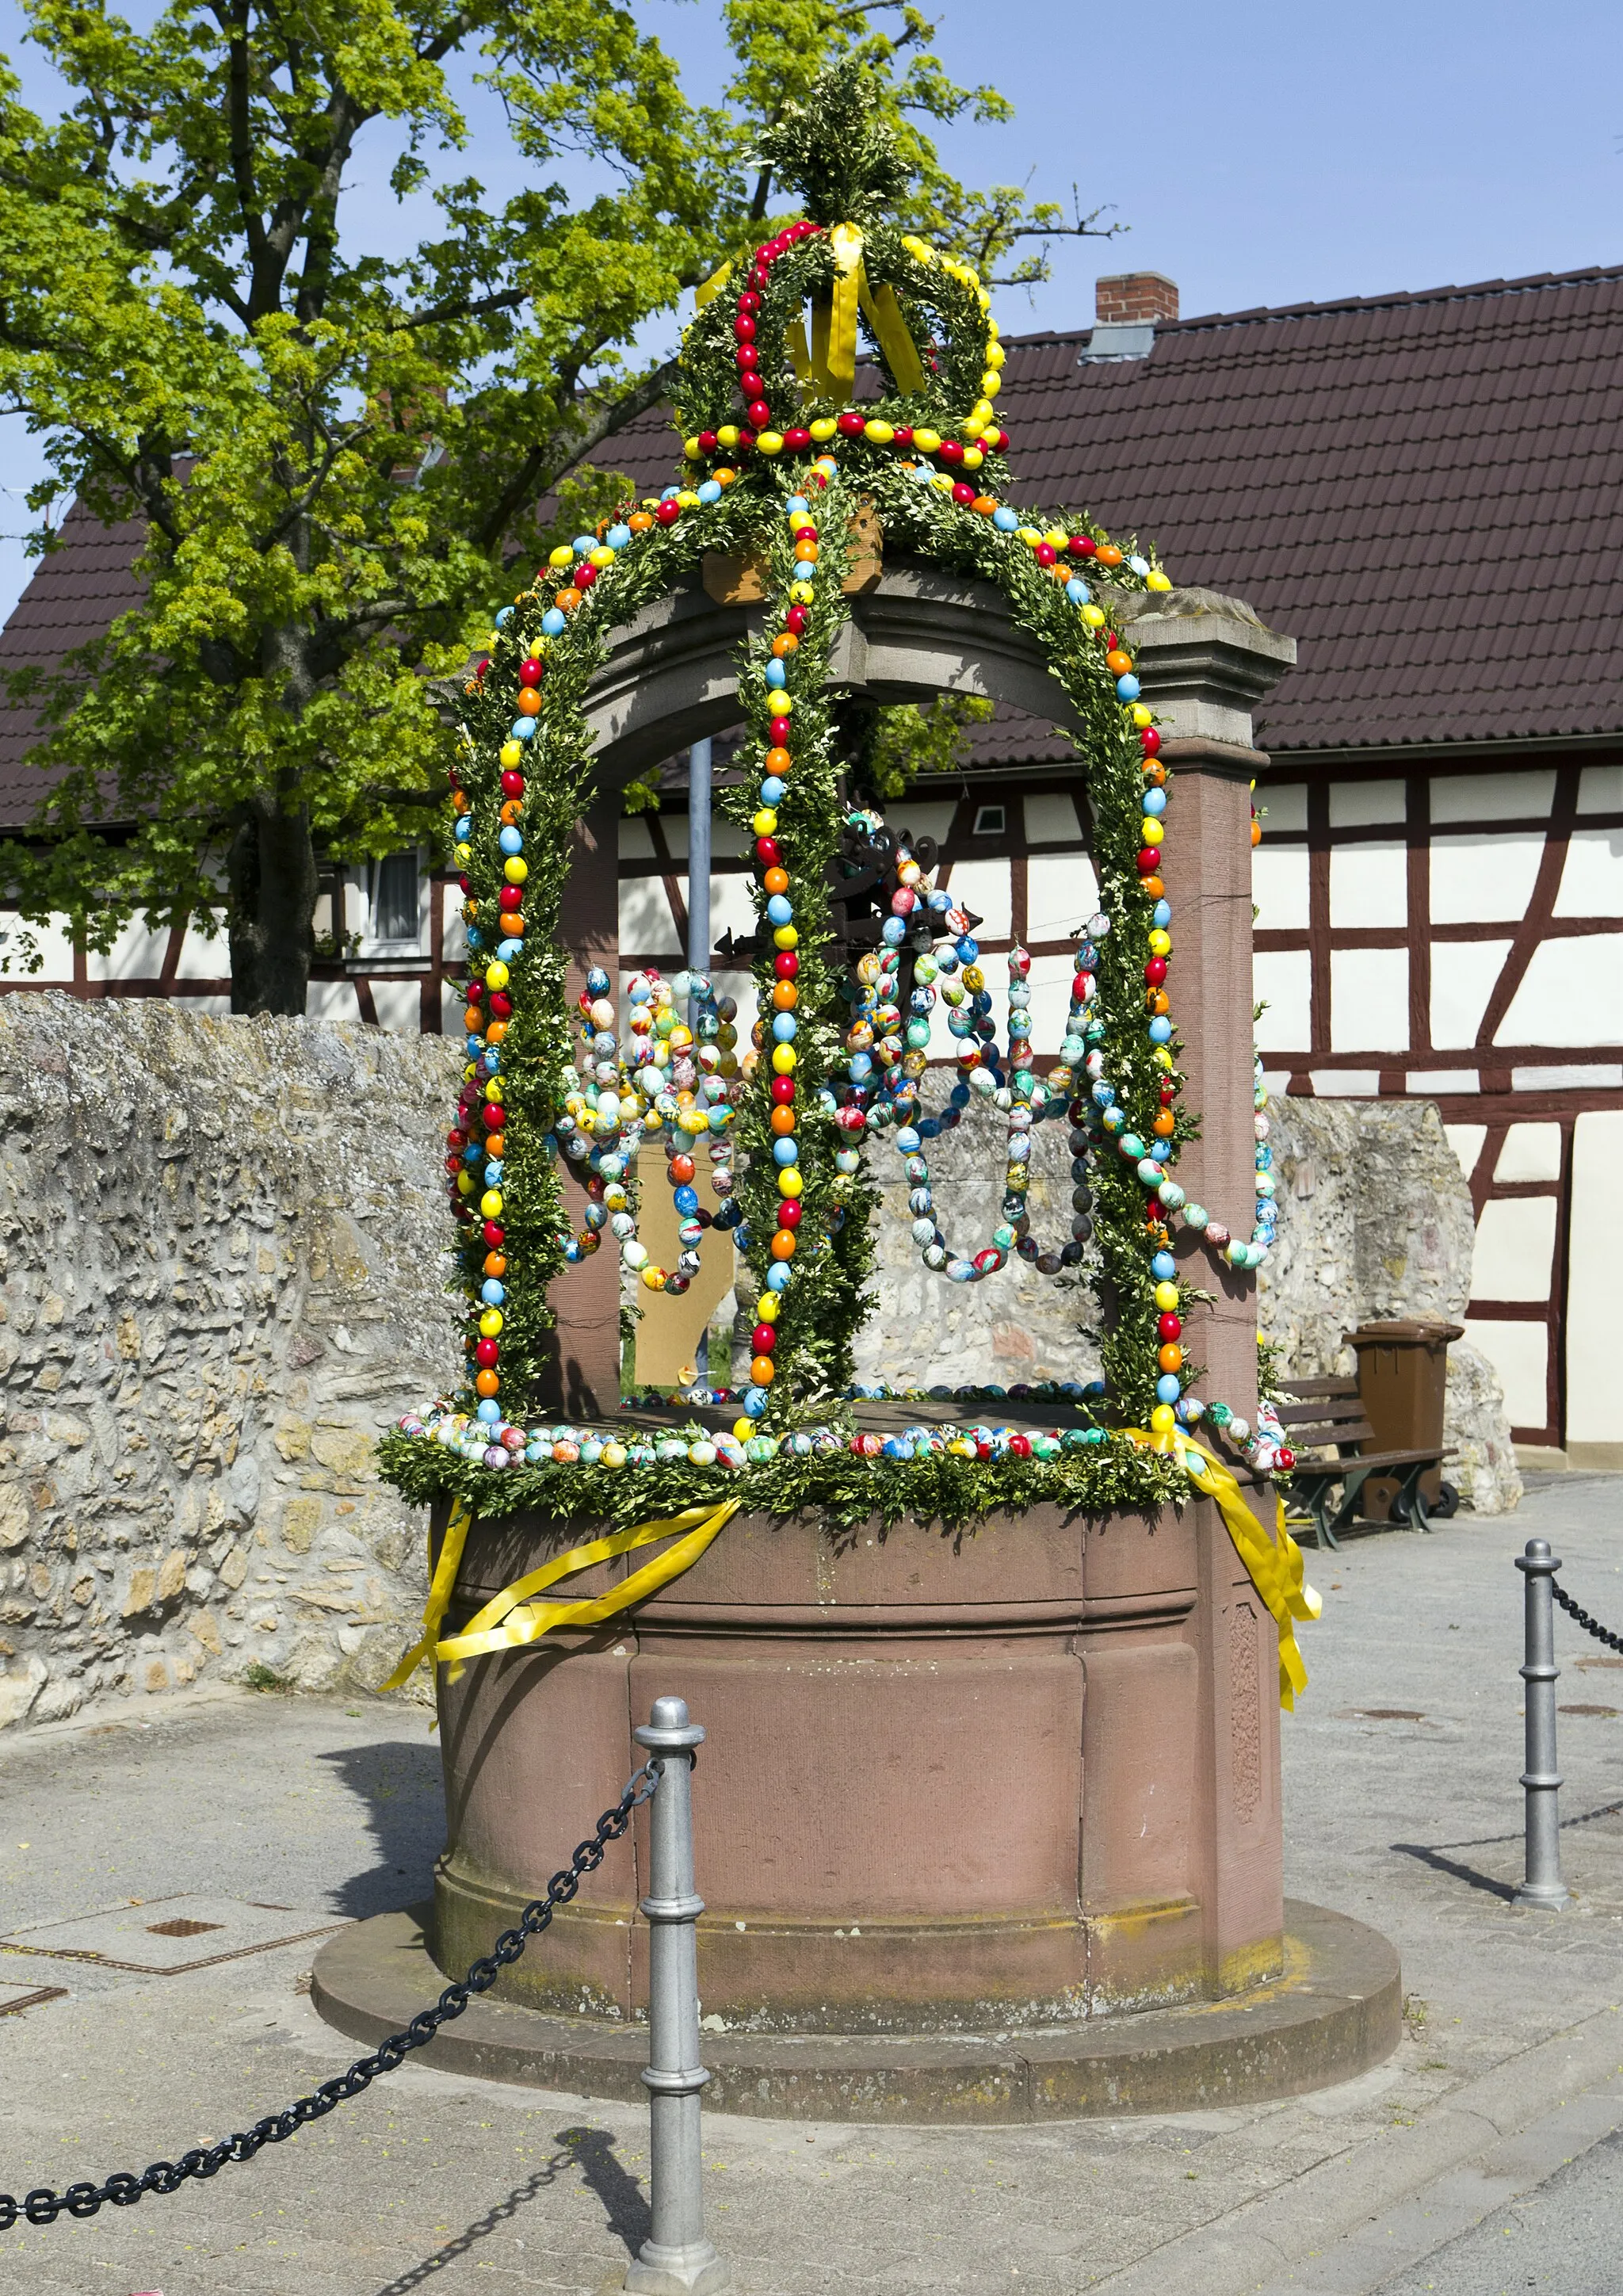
[337, 457]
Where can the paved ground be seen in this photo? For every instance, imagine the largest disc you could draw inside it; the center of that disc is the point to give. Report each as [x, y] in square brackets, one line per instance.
[1443, 2169]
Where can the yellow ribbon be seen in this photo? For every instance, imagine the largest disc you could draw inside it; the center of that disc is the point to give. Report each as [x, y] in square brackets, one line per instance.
[711, 287]
[441, 1586]
[883, 314]
[846, 242]
[1276, 1568]
[511, 1619]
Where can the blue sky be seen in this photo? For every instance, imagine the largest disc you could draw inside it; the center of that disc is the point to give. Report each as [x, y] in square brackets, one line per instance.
[1266, 153]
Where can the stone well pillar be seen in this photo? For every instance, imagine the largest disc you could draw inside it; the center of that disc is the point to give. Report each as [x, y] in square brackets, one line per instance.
[1204, 661]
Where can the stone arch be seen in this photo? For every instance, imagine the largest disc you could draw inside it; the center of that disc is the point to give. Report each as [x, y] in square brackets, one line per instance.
[671, 676]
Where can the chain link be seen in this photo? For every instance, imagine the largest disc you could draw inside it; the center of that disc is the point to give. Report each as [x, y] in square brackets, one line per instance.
[1581, 1617]
[43, 2206]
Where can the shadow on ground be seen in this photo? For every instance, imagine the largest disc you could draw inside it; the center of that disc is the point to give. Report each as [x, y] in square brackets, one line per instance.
[402, 1789]
[589, 2149]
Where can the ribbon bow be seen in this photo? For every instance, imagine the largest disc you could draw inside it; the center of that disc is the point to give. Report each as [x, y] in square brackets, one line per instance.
[1276, 1568]
[514, 1619]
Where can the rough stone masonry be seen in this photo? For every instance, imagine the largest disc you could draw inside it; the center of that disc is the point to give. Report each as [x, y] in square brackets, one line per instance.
[225, 1262]
[222, 1268]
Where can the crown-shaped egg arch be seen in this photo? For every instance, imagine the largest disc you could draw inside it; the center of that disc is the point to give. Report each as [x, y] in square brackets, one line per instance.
[787, 1117]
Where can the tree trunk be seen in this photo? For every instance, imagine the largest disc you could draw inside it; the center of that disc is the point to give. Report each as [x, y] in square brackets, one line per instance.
[272, 875]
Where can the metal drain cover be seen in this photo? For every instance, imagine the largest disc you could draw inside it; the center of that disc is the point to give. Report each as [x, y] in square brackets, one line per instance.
[189, 1932]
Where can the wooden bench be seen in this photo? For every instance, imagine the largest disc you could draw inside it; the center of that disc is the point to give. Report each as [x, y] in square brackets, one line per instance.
[1325, 1416]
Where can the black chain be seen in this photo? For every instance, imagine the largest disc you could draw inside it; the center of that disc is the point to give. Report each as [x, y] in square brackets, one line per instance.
[43, 2206]
[1581, 1617]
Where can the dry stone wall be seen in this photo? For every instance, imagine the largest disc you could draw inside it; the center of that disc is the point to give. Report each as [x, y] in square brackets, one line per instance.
[222, 1267]
[1375, 1224]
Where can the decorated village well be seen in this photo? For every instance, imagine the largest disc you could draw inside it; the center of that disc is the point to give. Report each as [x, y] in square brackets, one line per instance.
[992, 1682]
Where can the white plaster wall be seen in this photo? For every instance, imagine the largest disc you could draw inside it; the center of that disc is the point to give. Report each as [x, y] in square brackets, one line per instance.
[1051, 818]
[1462, 977]
[138, 954]
[1492, 797]
[51, 944]
[646, 928]
[1369, 1000]
[1354, 805]
[398, 1004]
[1600, 789]
[1369, 885]
[1062, 893]
[1520, 1354]
[635, 839]
[930, 816]
[1571, 993]
[1478, 879]
[1050, 981]
[1592, 883]
[453, 932]
[1531, 1152]
[336, 1000]
[1279, 887]
[1281, 980]
[1283, 804]
[983, 886]
[1466, 1142]
[203, 957]
[1594, 1267]
[732, 908]
[1515, 1253]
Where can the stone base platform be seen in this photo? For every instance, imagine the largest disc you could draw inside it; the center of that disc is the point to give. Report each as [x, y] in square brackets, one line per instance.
[1337, 2011]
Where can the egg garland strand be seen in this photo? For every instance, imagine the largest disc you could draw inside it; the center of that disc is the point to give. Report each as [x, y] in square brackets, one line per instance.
[801, 1124]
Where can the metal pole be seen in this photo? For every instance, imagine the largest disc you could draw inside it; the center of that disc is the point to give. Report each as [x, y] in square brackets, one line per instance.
[675, 2259]
[1542, 1781]
[699, 797]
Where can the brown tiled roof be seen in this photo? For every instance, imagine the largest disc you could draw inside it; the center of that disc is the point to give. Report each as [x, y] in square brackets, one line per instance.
[77, 590]
[1425, 491]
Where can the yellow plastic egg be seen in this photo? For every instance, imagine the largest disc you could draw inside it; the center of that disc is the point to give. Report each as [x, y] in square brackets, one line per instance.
[785, 937]
[496, 975]
[515, 869]
[764, 821]
[789, 1182]
[783, 1060]
[927, 441]
[881, 433]
[1163, 1419]
[1167, 1298]
[727, 436]
[561, 556]
[1142, 715]
[1093, 616]
[513, 756]
[490, 1203]
[1161, 942]
[769, 442]
[490, 1322]
[822, 429]
[972, 458]
[1156, 580]
[1150, 832]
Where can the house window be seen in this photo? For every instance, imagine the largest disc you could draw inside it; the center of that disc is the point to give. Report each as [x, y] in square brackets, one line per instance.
[392, 889]
[990, 821]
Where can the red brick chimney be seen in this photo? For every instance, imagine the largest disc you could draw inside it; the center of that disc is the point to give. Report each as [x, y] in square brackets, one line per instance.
[1129, 298]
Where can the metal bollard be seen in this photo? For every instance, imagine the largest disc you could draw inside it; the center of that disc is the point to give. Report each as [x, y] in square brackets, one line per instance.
[675, 2259]
[1543, 1885]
